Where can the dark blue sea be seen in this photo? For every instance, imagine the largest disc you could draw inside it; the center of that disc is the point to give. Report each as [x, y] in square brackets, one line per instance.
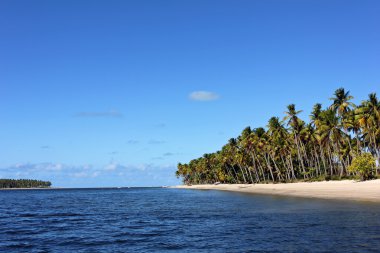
[179, 220]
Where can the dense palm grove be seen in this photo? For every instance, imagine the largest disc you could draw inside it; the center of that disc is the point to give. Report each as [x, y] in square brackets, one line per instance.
[291, 149]
[23, 183]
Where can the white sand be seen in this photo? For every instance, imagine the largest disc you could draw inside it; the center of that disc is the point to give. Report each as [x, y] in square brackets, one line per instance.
[345, 189]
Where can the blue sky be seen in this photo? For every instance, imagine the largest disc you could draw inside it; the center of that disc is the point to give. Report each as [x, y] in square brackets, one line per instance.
[116, 93]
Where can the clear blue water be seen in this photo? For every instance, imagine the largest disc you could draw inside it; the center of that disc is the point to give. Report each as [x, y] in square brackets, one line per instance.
[162, 220]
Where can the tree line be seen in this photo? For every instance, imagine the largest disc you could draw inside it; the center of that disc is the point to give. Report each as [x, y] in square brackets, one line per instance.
[23, 183]
[291, 149]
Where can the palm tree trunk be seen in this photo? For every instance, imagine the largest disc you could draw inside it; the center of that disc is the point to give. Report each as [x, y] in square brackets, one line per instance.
[318, 162]
[278, 171]
[242, 172]
[269, 167]
[323, 158]
[331, 163]
[286, 168]
[250, 175]
[292, 167]
[299, 157]
[236, 175]
[260, 166]
[255, 167]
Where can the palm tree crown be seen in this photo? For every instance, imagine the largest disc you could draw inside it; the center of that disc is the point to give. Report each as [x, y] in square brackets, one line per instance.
[293, 149]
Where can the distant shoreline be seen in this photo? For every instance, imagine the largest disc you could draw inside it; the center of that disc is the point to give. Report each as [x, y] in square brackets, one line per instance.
[84, 188]
[32, 188]
[344, 190]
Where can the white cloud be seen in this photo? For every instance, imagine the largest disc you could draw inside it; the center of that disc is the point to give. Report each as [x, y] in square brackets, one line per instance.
[105, 114]
[79, 174]
[203, 96]
[39, 167]
[112, 174]
[54, 167]
[95, 174]
[111, 167]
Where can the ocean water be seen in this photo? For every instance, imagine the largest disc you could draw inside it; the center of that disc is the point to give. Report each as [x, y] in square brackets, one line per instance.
[178, 220]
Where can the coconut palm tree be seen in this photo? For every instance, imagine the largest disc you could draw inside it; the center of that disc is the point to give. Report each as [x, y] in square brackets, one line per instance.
[293, 149]
[341, 102]
[294, 123]
[368, 117]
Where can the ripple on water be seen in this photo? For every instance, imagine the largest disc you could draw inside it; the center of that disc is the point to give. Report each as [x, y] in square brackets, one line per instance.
[162, 220]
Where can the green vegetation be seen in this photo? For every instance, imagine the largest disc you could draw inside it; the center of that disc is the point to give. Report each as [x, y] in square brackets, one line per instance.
[364, 165]
[23, 183]
[337, 143]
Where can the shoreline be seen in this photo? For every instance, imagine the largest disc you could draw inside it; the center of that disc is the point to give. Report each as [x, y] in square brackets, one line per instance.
[31, 188]
[343, 190]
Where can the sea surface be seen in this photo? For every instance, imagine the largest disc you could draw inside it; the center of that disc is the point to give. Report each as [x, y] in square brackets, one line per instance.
[180, 220]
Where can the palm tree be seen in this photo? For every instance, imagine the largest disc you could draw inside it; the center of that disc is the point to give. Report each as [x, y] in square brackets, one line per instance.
[341, 102]
[299, 150]
[294, 122]
[368, 117]
[342, 106]
[315, 114]
[278, 137]
[331, 137]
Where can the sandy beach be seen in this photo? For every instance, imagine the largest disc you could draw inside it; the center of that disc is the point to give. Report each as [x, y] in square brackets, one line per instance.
[345, 189]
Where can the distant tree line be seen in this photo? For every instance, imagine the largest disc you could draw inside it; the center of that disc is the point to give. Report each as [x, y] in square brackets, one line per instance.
[340, 141]
[23, 183]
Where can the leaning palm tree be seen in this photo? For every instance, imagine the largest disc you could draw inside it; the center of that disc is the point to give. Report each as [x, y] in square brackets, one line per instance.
[332, 137]
[278, 137]
[294, 122]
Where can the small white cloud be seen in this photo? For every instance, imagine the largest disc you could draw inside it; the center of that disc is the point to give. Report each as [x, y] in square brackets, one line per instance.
[111, 167]
[87, 167]
[39, 167]
[142, 167]
[80, 174]
[54, 167]
[203, 96]
[95, 174]
[106, 114]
